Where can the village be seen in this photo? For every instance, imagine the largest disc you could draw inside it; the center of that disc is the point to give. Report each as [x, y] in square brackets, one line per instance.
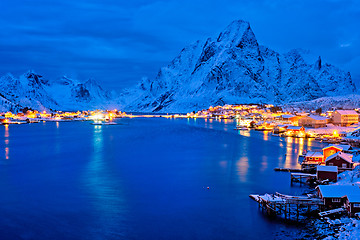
[336, 126]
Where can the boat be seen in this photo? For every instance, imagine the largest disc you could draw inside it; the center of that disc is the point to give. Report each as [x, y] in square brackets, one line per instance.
[263, 129]
[241, 128]
[103, 123]
[32, 120]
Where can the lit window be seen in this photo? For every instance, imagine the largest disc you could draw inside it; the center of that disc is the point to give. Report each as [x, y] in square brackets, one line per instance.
[336, 200]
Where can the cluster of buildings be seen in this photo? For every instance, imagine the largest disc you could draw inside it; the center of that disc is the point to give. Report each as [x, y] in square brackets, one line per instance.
[333, 155]
[343, 197]
[335, 159]
[36, 116]
[331, 124]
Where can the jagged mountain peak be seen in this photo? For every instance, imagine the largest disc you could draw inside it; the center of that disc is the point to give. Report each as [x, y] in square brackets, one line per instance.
[34, 91]
[234, 33]
[92, 82]
[236, 69]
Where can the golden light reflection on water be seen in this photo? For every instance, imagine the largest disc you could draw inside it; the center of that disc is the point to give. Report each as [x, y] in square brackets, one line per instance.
[292, 153]
[301, 146]
[57, 124]
[7, 134]
[242, 168]
[266, 135]
[309, 143]
[289, 143]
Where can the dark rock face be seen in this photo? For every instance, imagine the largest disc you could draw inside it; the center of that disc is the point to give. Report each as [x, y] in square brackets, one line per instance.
[81, 93]
[36, 92]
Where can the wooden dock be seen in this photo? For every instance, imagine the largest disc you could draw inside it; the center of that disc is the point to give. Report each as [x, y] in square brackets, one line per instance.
[332, 211]
[281, 204]
[299, 177]
[288, 170]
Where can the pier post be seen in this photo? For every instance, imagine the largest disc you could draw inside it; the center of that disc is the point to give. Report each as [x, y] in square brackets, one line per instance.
[297, 211]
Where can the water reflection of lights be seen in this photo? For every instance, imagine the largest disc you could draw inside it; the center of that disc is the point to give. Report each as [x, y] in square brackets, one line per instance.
[309, 142]
[242, 168]
[264, 163]
[57, 124]
[266, 136]
[105, 194]
[294, 147]
[301, 146]
[288, 156]
[7, 142]
[223, 164]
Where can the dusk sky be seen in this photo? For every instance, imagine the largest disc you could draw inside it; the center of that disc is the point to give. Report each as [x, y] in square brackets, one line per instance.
[119, 42]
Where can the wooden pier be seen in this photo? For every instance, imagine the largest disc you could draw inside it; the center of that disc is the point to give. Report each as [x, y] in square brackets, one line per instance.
[288, 170]
[332, 211]
[281, 204]
[299, 177]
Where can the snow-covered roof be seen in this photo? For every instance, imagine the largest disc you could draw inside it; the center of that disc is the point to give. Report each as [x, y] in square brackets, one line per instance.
[294, 128]
[315, 117]
[337, 191]
[283, 125]
[326, 168]
[287, 116]
[346, 156]
[339, 146]
[302, 114]
[354, 197]
[347, 112]
[314, 154]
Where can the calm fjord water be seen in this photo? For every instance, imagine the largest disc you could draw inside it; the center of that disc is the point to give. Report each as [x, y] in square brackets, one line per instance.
[146, 179]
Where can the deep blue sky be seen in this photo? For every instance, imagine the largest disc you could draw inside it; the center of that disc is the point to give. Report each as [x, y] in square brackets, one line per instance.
[118, 42]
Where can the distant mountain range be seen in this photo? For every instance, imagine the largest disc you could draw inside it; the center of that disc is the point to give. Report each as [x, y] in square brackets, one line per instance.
[233, 68]
[36, 92]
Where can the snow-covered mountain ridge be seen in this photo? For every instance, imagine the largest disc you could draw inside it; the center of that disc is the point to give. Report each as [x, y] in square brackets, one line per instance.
[32, 90]
[229, 69]
[234, 68]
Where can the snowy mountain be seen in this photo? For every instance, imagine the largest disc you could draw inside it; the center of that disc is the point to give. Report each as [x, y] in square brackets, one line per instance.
[34, 91]
[350, 101]
[234, 68]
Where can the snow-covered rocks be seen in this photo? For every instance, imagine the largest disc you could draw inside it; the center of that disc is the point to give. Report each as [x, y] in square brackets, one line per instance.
[34, 91]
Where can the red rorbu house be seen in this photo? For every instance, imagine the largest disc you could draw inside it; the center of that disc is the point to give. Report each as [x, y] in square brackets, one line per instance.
[334, 195]
[327, 173]
[352, 202]
[314, 158]
[331, 149]
[342, 160]
[295, 129]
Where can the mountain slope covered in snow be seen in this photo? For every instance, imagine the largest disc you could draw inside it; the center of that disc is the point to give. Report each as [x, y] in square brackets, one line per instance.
[234, 68]
[33, 91]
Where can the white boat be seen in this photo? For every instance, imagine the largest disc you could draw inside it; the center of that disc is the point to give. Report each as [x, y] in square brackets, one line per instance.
[241, 128]
[103, 123]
